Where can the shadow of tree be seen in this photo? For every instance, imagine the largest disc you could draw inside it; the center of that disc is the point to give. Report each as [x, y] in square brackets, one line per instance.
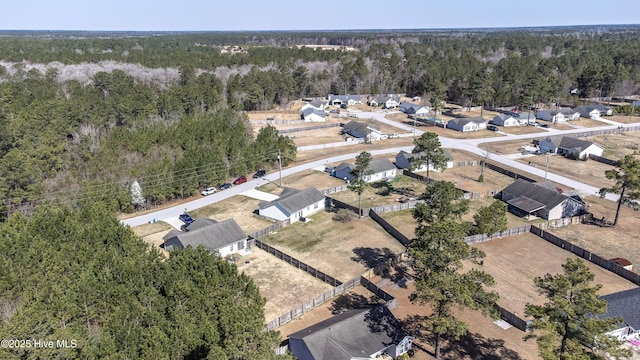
[371, 257]
[349, 301]
[384, 188]
[471, 346]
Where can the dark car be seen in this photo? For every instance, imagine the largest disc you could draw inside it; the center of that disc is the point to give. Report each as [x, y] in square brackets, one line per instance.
[224, 186]
[492, 128]
[544, 125]
[240, 180]
[259, 174]
[186, 218]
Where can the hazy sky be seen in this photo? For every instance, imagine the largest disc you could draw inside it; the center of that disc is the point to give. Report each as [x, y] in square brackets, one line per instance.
[202, 15]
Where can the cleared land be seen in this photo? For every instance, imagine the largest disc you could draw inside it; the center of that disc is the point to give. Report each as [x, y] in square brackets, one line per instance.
[382, 193]
[282, 285]
[239, 208]
[624, 119]
[152, 234]
[342, 250]
[590, 172]
[515, 261]
[616, 146]
[302, 180]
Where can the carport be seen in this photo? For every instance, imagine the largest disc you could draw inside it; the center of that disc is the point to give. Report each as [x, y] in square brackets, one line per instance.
[524, 207]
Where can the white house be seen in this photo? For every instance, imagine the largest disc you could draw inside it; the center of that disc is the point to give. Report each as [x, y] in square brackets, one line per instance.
[403, 161]
[224, 238]
[314, 104]
[624, 304]
[413, 109]
[381, 169]
[604, 111]
[344, 99]
[467, 124]
[568, 146]
[293, 204]
[314, 115]
[551, 115]
[541, 199]
[589, 112]
[505, 120]
[372, 333]
[569, 113]
[362, 130]
[387, 102]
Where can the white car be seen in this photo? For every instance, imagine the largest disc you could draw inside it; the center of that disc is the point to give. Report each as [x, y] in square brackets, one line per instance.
[208, 191]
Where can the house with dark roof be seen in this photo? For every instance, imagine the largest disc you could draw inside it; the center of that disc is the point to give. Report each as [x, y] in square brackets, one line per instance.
[569, 146]
[387, 102]
[362, 130]
[588, 112]
[505, 120]
[344, 99]
[541, 199]
[381, 169]
[467, 124]
[314, 115]
[313, 104]
[604, 111]
[224, 237]
[414, 109]
[293, 204]
[355, 334]
[624, 304]
[403, 161]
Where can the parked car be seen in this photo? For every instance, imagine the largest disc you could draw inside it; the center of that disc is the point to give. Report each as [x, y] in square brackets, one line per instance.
[186, 218]
[224, 186]
[394, 136]
[492, 128]
[240, 180]
[208, 191]
[544, 125]
[259, 174]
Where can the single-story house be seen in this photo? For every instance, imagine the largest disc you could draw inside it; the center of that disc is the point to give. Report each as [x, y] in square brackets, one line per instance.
[624, 304]
[344, 99]
[314, 115]
[569, 113]
[414, 109]
[293, 204]
[314, 104]
[589, 112]
[505, 120]
[362, 130]
[224, 237]
[381, 169]
[604, 111]
[387, 102]
[403, 161]
[569, 146]
[540, 199]
[354, 334]
[551, 115]
[467, 124]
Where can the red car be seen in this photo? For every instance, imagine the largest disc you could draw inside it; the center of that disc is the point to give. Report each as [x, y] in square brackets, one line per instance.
[240, 180]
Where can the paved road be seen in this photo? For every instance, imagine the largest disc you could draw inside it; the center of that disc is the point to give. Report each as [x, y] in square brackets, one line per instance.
[470, 145]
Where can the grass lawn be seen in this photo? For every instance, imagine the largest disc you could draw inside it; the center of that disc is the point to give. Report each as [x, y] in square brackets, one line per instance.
[239, 208]
[382, 193]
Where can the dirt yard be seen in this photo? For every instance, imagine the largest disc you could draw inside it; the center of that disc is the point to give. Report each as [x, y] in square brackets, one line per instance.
[239, 208]
[467, 178]
[620, 241]
[342, 250]
[616, 146]
[624, 119]
[515, 261]
[282, 285]
[302, 180]
[523, 129]
[590, 172]
[380, 193]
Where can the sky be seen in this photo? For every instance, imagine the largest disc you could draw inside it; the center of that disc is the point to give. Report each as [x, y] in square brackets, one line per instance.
[238, 15]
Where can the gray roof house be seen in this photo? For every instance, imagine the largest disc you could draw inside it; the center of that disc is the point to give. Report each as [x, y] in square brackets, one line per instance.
[541, 199]
[505, 120]
[588, 111]
[387, 102]
[313, 115]
[414, 109]
[403, 160]
[603, 109]
[354, 334]
[344, 99]
[293, 204]
[362, 130]
[624, 304]
[224, 237]
[382, 169]
[467, 124]
[569, 146]
[315, 104]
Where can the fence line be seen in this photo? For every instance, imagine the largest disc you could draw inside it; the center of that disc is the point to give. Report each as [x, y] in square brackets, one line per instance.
[467, 163]
[277, 122]
[601, 159]
[587, 255]
[467, 194]
[334, 189]
[308, 128]
[478, 238]
[389, 228]
[330, 145]
[262, 232]
[512, 318]
[509, 173]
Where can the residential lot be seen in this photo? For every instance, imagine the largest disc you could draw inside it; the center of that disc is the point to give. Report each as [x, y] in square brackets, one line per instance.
[515, 261]
[589, 172]
[282, 285]
[382, 193]
[152, 234]
[624, 119]
[616, 146]
[302, 180]
[239, 208]
[342, 250]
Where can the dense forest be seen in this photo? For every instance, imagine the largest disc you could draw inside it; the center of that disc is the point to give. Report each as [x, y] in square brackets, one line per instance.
[84, 115]
[81, 276]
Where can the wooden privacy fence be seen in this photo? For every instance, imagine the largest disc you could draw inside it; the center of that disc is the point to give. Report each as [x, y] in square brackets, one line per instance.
[512, 318]
[509, 173]
[601, 159]
[330, 145]
[474, 239]
[308, 128]
[334, 189]
[466, 163]
[262, 232]
[389, 228]
[298, 264]
[278, 122]
[587, 255]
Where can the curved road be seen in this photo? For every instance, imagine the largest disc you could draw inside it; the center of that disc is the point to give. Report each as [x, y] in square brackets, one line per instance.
[470, 145]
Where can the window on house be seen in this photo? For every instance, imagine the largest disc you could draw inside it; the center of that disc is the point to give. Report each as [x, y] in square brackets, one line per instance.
[240, 245]
[231, 247]
[315, 206]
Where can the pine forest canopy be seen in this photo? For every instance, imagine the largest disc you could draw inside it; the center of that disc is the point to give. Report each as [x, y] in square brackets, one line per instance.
[86, 114]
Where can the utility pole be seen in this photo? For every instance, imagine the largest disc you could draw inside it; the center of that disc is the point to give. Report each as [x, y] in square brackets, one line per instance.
[280, 166]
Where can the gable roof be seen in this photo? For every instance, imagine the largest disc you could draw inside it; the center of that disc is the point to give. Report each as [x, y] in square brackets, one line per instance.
[503, 117]
[293, 200]
[537, 192]
[464, 121]
[624, 304]
[212, 236]
[310, 110]
[359, 127]
[381, 165]
[570, 143]
[352, 334]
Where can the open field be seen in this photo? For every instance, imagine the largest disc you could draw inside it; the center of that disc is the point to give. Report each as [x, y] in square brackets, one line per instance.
[589, 172]
[515, 261]
[282, 285]
[523, 129]
[302, 180]
[342, 250]
[616, 146]
[588, 123]
[466, 178]
[624, 119]
[318, 136]
[381, 193]
[620, 241]
[239, 208]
